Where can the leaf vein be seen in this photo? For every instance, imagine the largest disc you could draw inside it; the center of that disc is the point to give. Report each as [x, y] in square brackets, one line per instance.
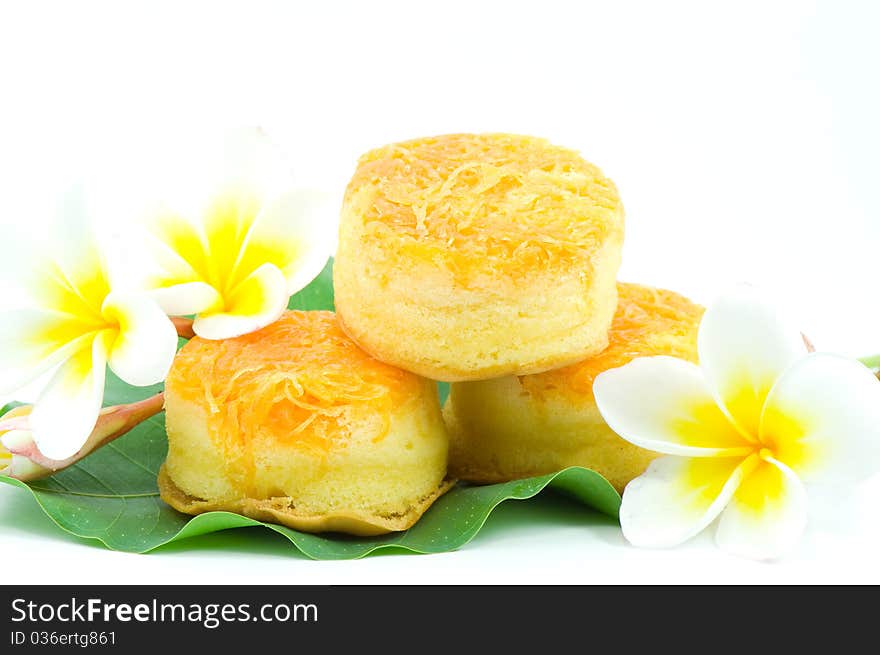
[124, 455]
[68, 492]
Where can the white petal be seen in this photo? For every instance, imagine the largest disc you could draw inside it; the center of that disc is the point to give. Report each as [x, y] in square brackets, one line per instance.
[18, 460]
[146, 343]
[67, 410]
[205, 164]
[34, 341]
[174, 261]
[76, 249]
[662, 404]
[174, 251]
[676, 498]
[248, 157]
[187, 298]
[255, 303]
[21, 468]
[183, 171]
[822, 420]
[17, 440]
[744, 346]
[767, 515]
[31, 391]
[295, 232]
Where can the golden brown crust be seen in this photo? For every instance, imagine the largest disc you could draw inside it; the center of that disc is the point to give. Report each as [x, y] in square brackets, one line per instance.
[467, 200]
[304, 364]
[283, 511]
[489, 208]
[469, 256]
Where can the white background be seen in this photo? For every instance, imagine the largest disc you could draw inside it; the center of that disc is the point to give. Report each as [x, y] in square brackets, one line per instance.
[743, 138]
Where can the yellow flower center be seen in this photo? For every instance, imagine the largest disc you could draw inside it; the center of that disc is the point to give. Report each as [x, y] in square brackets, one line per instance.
[782, 437]
[766, 454]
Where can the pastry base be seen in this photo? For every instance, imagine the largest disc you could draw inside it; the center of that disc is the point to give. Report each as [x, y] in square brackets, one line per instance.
[283, 511]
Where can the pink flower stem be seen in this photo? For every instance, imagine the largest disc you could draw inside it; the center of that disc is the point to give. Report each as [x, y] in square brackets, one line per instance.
[113, 422]
[184, 327]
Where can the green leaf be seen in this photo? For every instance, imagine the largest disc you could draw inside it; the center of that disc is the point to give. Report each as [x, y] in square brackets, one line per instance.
[319, 294]
[443, 391]
[9, 406]
[112, 496]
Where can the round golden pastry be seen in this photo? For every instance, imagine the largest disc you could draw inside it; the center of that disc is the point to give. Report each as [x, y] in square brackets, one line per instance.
[469, 256]
[515, 427]
[295, 424]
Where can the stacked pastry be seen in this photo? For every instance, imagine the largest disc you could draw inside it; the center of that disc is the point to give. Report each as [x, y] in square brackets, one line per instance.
[488, 261]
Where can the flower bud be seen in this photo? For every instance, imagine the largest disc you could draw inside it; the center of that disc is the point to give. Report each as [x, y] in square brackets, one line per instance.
[21, 459]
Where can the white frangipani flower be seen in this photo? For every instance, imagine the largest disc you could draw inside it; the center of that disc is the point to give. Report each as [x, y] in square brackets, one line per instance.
[229, 237]
[73, 318]
[746, 433]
